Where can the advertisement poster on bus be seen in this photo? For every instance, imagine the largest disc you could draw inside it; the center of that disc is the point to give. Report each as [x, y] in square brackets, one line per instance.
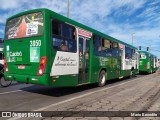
[25, 26]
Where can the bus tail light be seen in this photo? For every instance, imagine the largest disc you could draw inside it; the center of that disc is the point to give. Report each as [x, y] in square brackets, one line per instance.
[42, 66]
[145, 66]
[5, 65]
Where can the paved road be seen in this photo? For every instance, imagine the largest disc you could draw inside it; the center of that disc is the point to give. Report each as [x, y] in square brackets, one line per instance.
[20, 97]
[116, 95]
[142, 94]
[139, 94]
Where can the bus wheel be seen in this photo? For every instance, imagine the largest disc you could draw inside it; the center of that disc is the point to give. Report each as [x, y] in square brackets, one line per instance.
[102, 78]
[4, 83]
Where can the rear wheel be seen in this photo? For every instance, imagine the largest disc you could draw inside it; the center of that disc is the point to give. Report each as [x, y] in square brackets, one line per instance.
[4, 83]
[102, 78]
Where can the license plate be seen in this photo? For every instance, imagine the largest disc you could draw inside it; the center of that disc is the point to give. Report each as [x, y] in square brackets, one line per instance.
[21, 67]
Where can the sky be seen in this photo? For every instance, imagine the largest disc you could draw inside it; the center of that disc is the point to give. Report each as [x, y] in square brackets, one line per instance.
[125, 20]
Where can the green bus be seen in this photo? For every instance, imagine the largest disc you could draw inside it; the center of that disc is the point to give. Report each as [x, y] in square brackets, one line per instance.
[148, 63]
[43, 47]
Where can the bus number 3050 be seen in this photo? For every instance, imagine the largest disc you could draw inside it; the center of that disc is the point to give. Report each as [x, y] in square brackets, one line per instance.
[35, 43]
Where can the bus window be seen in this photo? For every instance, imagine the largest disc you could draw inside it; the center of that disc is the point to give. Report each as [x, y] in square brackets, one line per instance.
[68, 31]
[128, 53]
[106, 47]
[152, 58]
[134, 54]
[81, 46]
[115, 49]
[142, 56]
[63, 37]
[96, 45]
[87, 48]
[156, 59]
[56, 28]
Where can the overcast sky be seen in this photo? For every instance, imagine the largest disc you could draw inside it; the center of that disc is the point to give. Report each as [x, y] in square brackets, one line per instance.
[118, 18]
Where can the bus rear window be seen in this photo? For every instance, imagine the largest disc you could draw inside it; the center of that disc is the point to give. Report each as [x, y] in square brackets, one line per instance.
[142, 56]
[25, 26]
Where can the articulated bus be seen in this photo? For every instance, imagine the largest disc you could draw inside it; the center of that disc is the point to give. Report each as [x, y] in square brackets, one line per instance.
[148, 63]
[43, 47]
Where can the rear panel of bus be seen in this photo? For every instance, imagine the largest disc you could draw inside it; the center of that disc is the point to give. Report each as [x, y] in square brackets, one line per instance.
[144, 62]
[24, 49]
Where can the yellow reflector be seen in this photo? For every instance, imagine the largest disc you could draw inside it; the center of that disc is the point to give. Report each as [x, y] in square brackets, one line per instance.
[54, 81]
[120, 77]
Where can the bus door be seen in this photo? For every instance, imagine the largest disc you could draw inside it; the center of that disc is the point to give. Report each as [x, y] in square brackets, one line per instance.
[137, 60]
[116, 60]
[122, 59]
[83, 76]
[154, 62]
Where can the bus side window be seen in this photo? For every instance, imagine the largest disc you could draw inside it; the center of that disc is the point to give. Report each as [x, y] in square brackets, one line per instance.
[63, 37]
[96, 45]
[115, 49]
[128, 53]
[55, 27]
[149, 57]
[133, 54]
[68, 31]
[106, 46]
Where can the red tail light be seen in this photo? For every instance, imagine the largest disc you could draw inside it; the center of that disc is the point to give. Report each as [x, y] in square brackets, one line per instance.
[145, 66]
[42, 66]
[5, 65]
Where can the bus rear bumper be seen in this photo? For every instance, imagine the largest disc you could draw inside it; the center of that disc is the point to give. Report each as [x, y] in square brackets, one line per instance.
[43, 80]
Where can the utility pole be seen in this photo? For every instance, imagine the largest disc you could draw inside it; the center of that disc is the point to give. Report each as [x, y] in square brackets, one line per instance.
[68, 8]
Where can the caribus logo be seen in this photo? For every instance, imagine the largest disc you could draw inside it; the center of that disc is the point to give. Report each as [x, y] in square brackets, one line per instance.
[13, 54]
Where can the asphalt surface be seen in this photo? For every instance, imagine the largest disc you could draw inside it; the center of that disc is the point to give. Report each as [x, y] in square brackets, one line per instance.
[138, 99]
[27, 97]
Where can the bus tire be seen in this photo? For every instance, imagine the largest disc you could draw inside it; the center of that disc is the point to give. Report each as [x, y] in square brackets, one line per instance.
[102, 78]
[4, 83]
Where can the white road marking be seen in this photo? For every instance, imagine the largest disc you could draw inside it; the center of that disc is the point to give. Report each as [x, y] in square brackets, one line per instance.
[15, 118]
[55, 104]
[74, 98]
[10, 92]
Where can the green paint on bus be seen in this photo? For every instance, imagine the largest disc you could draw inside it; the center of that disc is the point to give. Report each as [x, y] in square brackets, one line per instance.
[147, 62]
[43, 47]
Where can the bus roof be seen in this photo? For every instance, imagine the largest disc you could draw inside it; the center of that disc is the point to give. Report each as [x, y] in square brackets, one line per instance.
[142, 51]
[72, 22]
